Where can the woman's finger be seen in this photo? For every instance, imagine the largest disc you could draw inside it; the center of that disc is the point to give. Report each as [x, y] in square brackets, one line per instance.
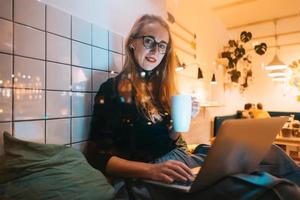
[174, 174]
[184, 167]
[166, 179]
[181, 168]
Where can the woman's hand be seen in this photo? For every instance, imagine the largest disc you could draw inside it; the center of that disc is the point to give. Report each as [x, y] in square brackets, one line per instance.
[169, 171]
[195, 107]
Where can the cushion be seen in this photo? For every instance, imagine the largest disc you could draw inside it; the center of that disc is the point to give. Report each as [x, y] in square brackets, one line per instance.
[218, 120]
[30, 170]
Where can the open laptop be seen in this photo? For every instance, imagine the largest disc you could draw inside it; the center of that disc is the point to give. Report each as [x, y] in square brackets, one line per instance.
[239, 147]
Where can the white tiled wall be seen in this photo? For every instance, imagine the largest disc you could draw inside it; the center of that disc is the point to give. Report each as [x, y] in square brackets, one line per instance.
[51, 66]
[29, 42]
[79, 132]
[29, 73]
[6, 9]
[30, 130]
[81, 54]
[81, 79]
[100, 37]
[5, 104]
[6, 71]
[58, 76]
[31, 13]
[98, 79]
[58, 49]
[58, 131]
[100, 60]
[58, 104]
[115, 62]
[58, 22]
[81, 30]
[6, 38]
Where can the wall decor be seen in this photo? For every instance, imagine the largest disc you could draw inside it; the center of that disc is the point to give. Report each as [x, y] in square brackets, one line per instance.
[236, 59]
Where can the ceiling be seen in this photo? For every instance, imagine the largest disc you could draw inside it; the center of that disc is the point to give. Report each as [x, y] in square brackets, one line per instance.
[235, 13]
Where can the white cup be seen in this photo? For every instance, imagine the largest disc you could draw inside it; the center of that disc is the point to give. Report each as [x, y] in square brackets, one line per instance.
[181, 109]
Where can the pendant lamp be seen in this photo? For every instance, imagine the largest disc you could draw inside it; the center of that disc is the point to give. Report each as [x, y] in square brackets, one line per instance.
[276, 63]
[213, 79]
[200, 74]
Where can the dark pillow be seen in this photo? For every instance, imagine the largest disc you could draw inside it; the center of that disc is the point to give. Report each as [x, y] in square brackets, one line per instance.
[32, 171]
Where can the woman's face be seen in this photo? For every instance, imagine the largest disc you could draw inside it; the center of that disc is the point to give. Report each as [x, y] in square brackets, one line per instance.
[150, 50]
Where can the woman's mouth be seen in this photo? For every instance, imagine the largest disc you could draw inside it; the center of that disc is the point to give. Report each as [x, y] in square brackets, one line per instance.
[150, 59]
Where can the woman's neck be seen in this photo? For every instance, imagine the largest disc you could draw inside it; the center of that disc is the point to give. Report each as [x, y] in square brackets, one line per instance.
[146, 74]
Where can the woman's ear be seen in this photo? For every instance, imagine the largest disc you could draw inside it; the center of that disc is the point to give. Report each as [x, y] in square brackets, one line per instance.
[131, 47]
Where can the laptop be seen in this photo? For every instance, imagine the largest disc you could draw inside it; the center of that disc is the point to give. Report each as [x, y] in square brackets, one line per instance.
[239, 147]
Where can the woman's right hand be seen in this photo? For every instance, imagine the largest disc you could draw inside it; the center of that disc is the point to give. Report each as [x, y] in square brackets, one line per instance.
[169, 171]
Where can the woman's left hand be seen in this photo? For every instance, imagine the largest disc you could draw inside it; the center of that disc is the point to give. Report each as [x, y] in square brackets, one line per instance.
[195, 107]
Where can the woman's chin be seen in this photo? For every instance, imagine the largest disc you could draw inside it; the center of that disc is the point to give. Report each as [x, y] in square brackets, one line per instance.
[149, 66]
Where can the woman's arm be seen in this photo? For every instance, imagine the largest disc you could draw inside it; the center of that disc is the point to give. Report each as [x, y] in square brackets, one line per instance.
[165, 172]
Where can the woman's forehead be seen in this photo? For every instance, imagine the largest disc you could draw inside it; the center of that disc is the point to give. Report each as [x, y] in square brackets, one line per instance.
[156, 30]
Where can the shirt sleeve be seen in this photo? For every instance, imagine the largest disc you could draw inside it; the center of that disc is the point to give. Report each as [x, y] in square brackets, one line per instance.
[101, 145]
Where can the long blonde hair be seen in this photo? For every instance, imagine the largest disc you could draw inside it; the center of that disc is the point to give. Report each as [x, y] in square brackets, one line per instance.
[150, 101]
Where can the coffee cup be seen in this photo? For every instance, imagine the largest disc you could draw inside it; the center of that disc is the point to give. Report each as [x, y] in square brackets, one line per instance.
[181, 108]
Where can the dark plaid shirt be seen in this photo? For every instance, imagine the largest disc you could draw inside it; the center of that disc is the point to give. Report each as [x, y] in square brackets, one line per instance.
[118, 128]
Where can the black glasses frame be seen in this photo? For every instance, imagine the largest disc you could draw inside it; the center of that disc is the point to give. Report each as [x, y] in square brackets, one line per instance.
[155, 43]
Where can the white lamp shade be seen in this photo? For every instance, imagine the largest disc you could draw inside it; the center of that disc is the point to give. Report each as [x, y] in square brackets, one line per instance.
[276, 64]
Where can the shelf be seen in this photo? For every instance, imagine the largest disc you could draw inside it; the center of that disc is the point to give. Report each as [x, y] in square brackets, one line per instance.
[208, 105]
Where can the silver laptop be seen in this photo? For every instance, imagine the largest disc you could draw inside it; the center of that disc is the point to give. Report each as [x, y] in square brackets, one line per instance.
[239, 147]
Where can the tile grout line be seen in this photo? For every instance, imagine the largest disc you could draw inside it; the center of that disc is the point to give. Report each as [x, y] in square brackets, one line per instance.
[52, 90]
[71, 80]
[45, 74]
[55, 62]
[92, 66]
[54, 118]
[13, 71]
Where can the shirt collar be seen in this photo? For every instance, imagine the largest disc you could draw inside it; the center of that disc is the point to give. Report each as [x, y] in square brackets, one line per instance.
[146, 74]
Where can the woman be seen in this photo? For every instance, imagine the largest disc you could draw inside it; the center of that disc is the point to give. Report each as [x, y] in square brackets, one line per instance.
[131, 132]
[136, 126]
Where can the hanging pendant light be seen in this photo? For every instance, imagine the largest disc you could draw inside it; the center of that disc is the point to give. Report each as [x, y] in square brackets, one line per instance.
[277, 73]
[276, 66]
[200, 74]
[180, 68]
[213, 79]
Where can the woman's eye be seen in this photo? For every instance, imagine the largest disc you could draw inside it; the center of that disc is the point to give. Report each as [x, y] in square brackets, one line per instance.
[162, 46]
[149, 41]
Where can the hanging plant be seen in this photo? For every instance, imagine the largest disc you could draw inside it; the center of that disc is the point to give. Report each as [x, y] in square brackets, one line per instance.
[238, 66]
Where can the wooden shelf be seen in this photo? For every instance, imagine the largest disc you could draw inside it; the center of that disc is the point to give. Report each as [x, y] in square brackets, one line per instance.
[291, 146]
[208, 105]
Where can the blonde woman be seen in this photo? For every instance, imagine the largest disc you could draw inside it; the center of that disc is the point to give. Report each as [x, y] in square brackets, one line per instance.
[131, 130]
[132, 111]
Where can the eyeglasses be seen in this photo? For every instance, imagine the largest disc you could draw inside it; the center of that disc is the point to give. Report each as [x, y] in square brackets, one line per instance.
[150, 43]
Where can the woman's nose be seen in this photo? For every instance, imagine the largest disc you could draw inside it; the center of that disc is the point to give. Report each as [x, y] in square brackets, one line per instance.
[154, 49]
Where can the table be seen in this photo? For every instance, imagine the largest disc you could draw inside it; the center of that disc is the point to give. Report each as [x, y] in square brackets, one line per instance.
[203, 107]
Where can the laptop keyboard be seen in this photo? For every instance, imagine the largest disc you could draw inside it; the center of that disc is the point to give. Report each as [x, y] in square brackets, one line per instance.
[183, 183]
